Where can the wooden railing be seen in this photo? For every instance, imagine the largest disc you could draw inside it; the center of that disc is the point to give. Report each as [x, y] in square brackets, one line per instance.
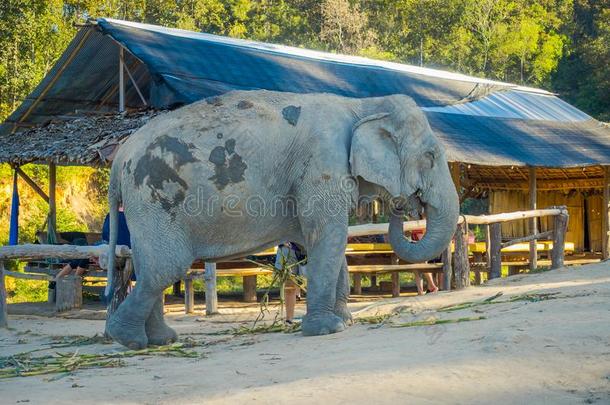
[64, 252]
[455, 263]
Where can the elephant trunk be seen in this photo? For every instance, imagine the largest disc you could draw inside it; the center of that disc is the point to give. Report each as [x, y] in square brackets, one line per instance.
[441, 219]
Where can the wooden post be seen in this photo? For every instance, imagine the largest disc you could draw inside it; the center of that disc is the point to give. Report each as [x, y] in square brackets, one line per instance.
[69, 293]
[559, 237]
[357, 283]
[249, 288]
[120, 289]
[3, 303]
[533, 221]
[460, 257]
[395, 284]
[494, 249]
[394, 260]
[487, 245]
[606, 214]
[189, 296]
[52, 224]
[211, 295]
[374, 286]
[176, 288]
[447, 270]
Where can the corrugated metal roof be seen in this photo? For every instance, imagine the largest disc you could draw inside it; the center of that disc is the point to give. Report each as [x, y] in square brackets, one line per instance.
[480, 121]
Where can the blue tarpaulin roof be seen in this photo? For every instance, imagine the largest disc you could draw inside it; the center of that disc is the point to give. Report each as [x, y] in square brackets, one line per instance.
[479, 121]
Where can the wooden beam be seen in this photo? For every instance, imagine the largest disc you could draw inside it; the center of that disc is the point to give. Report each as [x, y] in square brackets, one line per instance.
[542, 185]
[211, 295]
[541, 235]
[31, 183]
[395, 260]
[533, 221]
[3, 303]
[121, 80]
[52, 222]
[606, 214]
[39, 252]
[456, 176]
[382, 228]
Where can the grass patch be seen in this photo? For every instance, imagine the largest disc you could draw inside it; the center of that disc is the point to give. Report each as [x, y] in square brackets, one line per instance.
[25, 365]
[434, 321]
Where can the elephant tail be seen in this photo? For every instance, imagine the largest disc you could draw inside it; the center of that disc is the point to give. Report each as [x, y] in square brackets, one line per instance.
[114, 199]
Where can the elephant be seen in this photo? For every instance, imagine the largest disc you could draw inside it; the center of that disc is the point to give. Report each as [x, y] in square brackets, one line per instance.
[232, 175]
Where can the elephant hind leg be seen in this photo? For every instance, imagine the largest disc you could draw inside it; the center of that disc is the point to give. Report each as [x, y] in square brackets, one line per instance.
[157, 331]
[139, 319]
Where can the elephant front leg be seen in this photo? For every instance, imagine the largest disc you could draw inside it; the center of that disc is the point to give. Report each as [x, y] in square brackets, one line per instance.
[326, 256]
[127, 324]
[341, 309]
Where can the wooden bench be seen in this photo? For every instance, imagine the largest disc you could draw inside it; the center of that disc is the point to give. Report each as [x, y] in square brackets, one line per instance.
[393, 269]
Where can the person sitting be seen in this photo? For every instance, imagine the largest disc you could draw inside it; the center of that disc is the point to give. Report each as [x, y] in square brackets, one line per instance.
[123, 236]
[78, 266]
[288, 254]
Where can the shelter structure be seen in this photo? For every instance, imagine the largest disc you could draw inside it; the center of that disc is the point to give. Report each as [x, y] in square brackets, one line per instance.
[524, 147]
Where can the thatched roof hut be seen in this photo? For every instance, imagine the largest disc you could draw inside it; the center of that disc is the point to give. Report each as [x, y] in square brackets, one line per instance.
[503, 140]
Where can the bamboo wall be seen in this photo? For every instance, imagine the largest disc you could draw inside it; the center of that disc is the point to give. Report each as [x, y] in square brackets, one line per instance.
[577, 203]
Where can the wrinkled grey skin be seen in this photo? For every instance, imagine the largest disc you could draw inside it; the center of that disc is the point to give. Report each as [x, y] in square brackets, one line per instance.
[236, 174]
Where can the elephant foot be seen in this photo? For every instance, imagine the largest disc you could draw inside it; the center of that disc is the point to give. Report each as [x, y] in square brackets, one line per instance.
[129, 335]
[161, 335]
[322, 324]
[343, 312]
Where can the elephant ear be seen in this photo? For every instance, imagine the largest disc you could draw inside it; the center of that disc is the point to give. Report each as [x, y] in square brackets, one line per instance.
[374, 154]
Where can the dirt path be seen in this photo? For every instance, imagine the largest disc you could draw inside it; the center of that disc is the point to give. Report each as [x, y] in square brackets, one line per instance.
[550, 346]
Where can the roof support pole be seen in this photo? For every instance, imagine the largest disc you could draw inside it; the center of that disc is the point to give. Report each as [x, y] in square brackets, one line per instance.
[52, 222]
[121, 80]
[606, 214]
[135, 85]
[533, 221]
[31, 183]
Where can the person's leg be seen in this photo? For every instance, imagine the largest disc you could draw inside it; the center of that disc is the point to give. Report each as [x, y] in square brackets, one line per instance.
[67, 269]
[419, 283]
[431, 286]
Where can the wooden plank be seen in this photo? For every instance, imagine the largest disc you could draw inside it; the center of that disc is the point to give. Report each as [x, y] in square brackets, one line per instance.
[461, 266]
[495, 269]
[189, 296]
[211, 294]
[533, 221]
[39, 252]
[557, 254]
[3, 303]
[176, 287]
[389, 268]
[250, 288]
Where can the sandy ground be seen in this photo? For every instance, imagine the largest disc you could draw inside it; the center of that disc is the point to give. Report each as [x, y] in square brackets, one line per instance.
[548, 351]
